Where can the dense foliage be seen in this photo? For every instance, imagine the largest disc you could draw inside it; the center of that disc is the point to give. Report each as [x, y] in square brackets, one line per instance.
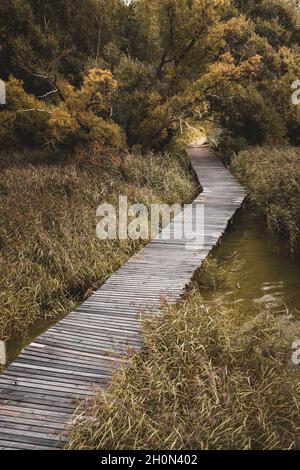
[168, 62]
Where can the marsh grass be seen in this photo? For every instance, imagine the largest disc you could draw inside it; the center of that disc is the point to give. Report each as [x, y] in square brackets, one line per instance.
[216, 272]
[50, 257]
[272, 177]
[209, 378]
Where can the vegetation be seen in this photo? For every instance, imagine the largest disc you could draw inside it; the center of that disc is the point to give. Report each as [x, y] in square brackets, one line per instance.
[208, 378]
[79, 118]
[272, 177]
[214, 273]
[94, 87]
[149, 68]
[50, 257]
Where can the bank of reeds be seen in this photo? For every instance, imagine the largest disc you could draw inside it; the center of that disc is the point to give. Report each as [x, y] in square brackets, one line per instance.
[50, 257]
[272, 178]
[209, 378]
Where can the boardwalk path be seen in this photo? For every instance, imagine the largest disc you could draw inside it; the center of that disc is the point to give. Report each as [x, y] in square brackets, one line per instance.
[38, 392]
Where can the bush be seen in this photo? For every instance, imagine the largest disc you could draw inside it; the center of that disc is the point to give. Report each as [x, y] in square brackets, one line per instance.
[139, 107]
[24, 121]
[84, 115]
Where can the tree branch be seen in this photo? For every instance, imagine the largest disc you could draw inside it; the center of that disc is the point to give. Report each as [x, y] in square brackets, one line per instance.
[33, 110]
[49, 93]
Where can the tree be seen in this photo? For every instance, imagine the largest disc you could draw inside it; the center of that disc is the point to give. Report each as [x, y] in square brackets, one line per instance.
[174, 60]
[24, 121]
[45, 39]
[84, 115]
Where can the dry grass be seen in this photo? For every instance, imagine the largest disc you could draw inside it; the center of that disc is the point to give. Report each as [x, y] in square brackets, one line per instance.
[209, 378]
[215, 273]
[50, 257]
[272, 177]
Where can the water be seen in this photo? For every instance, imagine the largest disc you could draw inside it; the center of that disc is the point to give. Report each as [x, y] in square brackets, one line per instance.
[266, 272]
[266, 275]
[16, 345]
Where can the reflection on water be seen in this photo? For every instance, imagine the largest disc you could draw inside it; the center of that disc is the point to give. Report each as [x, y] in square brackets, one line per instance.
[267, 274]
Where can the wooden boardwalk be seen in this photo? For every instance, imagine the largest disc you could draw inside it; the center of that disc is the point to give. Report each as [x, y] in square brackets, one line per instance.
[40, 390]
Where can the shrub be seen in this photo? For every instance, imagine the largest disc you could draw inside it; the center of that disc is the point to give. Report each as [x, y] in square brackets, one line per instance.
[139, 107]
[24, 121]
[84, 115]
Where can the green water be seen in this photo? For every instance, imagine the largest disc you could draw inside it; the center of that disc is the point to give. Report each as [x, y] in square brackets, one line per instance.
[266, 272]
[266, 275]
[15, 346]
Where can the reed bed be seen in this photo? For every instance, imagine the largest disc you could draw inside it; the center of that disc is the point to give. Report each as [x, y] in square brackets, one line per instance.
[50, 257]
[209, 378]
[272, 177]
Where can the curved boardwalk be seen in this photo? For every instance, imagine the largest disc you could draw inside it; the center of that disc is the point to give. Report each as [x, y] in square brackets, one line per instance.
[39, 391]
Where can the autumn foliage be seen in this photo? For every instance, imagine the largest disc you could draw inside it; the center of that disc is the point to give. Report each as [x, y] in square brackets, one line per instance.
[85, 114]
[134, 74]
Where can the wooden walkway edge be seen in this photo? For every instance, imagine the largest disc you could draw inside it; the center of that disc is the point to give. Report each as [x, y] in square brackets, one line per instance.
[40, 390]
